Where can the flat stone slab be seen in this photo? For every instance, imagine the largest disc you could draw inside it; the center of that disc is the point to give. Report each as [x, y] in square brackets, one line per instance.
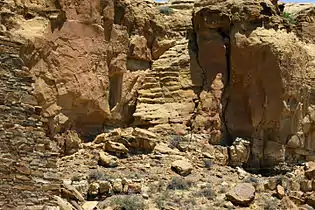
[243, 194]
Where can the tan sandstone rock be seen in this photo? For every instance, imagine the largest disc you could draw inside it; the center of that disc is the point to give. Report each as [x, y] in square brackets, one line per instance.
[182, 167]
[243, 194]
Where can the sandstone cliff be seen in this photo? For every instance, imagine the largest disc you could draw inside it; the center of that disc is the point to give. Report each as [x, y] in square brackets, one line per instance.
[231, 81]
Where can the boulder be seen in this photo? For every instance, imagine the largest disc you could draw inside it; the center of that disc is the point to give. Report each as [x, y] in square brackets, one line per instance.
[182, 167]
[94, 189]
[160, 47]
[63, 204]
[243, 194]
[138, 48]
[288, 204]
[115, 147]
[239, 152]
[310, 170]
[280, 191]
[117, 185]
[90, 205]
[163, 148]
[310, 199]
[107, 160]
[144, 139]
[70, 192]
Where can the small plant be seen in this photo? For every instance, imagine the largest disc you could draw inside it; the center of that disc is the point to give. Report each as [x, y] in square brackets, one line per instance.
[166, 10]
[174, 143]
[251, 180]
[96, 175]
[207, 192]
[270, 204]
[223, 190]
[288, 17]
[75, 178]
[208, 163]
[160, 201]
[128, 202]
[179, 183]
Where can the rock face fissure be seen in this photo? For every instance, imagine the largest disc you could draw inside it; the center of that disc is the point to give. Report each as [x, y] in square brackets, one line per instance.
[115, 89]
[28, 169]
[227, 140]
[257, 63]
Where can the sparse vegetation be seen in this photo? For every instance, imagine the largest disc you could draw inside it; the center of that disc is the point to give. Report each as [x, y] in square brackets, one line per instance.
[270, 204]
[251, 180]
[75, 178]
[288, 17]
[169, 199]
[179, 183]
[166, 10]
[160, 201]
[99, 175]
[96, 175]
[207, 192]
[223, 190]
[128, 202]
[174, 143]
[208, 163]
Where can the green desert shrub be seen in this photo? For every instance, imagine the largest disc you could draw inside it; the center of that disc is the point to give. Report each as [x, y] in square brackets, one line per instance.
[166, 10]
[179, 183]
[128, 202]
[288, 17]
[207, 192]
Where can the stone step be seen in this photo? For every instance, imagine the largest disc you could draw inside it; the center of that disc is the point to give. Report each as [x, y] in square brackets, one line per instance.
[168, 79]
[150, 79]
[152, 90]
[171, 95]
[169, 73]
[150, 85]
[149, 95]
[151, 100]
[170, 84]
[172, 87]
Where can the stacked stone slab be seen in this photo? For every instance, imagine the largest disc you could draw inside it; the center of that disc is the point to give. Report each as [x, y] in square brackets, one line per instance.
[28, 177]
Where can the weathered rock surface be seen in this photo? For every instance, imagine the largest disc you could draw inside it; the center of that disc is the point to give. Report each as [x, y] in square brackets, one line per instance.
[260, 99]
[243, 194]
[239, 152]
[107, 160]
[182, 167]
[130, 73]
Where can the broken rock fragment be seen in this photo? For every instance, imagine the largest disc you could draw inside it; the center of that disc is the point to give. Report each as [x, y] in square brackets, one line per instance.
[182, 167]
[107, 160]
[116, 147]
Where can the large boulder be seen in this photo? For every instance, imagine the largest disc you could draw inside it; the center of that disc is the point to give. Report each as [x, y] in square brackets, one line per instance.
[243, 194]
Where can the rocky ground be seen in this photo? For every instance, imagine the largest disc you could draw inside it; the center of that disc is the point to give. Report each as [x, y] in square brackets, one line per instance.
[179, 173]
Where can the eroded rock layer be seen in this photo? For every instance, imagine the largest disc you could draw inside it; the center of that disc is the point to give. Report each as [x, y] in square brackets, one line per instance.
[28, 168]
[228, 81]
[269, 79]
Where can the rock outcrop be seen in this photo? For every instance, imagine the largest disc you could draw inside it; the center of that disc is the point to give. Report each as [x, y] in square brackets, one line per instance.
[267, 74]
[88, 86]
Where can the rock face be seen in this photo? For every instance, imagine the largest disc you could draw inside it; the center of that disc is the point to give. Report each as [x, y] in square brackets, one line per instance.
[268, 93]
[127, 74]
[28, 158]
